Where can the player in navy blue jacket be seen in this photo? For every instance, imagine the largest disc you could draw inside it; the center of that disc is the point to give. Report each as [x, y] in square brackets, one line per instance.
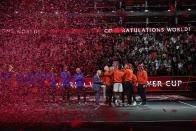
[79, 79]
[51, 79]
[66, 78]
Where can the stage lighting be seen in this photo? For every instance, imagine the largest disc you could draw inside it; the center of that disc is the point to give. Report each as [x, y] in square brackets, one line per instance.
[146, 10]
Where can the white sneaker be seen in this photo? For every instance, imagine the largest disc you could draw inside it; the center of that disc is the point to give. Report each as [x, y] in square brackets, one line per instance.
[134, 103]
[116, 103]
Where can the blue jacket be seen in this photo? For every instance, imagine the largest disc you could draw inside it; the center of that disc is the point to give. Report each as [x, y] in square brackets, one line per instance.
[5, 75]
[66, 76]
[29, 78]
[79, 79]
[52, 80]
[97, 82]
[40, 77]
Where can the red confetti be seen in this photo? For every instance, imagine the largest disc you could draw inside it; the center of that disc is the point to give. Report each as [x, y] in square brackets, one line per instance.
[125, 114]
[34, 90]
[75, 123]
[194, 122]
[174, 110]
[171, 7]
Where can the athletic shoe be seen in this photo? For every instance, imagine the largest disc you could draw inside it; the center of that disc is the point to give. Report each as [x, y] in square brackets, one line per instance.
[134, 103]
[140, 103]
[116, 103]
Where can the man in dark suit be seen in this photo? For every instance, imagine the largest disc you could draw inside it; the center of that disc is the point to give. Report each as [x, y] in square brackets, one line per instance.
[97, 84]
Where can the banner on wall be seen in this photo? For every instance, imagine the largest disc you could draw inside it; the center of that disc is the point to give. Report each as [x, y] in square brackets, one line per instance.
[154, 84]
[146, 30]
[165, 83]
[95, 30]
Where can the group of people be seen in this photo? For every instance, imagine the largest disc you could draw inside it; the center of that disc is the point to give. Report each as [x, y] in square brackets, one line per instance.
[46, 83]
[65, 79]
[120, 82]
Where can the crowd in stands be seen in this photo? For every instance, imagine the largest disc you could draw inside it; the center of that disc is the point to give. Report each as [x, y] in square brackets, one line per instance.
[161, 53]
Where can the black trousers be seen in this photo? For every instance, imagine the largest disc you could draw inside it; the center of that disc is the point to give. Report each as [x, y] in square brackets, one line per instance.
[132, 92]
[142, 92]
[109, 93]
[128, 91]
[53, 92]
[66, 93]
[81, 91]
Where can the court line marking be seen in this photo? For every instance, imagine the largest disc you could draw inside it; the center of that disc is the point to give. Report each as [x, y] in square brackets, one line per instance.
[150, 121]
[187, 104]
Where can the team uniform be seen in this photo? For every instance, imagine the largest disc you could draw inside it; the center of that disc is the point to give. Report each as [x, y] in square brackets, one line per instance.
[142, 78]
[134, 82]
[40, 77]
[128, 86]
[109, 88]
[66, 78]
[53, 85]
[5, 80]
[118, 86]
[118, 80]
[79, 79]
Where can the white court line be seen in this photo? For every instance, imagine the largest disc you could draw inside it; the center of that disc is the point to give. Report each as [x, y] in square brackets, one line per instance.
[96, 108]
[150, 121]
[187, 104]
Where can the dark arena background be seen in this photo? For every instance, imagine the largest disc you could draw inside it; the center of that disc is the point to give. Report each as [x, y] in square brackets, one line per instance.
[40, 38]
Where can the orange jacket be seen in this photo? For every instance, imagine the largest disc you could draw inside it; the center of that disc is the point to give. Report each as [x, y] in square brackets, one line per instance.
[128, 75]
[134, 78]
[108, 78]
[142, 77]
[123, 77]
[118, 76]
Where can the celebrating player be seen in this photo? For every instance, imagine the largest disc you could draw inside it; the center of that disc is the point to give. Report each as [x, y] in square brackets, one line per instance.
[66, 77]
[118, 87]
[128, 86]
[108, 81]
[142, 82]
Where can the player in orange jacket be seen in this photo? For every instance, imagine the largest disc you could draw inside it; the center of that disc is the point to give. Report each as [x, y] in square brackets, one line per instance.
[118, 87]
[127, 85]
[108, 82]
[134, 82]
[142, 78]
